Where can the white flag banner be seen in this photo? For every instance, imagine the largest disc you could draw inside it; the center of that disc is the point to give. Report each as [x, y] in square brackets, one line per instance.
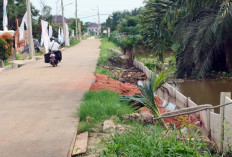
[44, 37]
[50, 31]
[21, 28]
[67, 42]
[62, 36]
[5, 19]
[59, 39]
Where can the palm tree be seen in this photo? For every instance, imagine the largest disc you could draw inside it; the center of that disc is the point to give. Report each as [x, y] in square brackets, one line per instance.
[202, 28]
[147, 89]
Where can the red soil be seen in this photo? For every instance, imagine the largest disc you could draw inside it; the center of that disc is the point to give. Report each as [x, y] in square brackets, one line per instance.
[105, 82]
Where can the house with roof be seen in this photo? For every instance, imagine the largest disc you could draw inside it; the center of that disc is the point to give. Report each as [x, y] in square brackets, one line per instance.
[58, 20]
[94, 29]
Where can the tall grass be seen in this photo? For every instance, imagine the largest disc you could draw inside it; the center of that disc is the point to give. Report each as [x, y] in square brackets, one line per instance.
[100, 106]
[150, 141]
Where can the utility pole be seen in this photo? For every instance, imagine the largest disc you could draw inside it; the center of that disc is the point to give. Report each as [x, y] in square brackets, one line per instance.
[98, 13]
[79, 30]
[76, 23]
[30, 37]
[63, 21]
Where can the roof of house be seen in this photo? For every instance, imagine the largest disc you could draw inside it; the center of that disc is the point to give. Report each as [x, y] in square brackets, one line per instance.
[94, 26]
[58, 19]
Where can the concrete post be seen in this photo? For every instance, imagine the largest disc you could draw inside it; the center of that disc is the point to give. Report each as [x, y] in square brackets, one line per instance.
[222, 117]
[76, 22]
[63, 21]
[1, 64]
[30, 37]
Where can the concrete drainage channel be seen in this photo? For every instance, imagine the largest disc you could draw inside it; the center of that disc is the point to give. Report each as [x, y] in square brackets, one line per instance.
[19, 63]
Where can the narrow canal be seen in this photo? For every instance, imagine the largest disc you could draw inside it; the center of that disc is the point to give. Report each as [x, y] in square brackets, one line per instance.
[205, 91]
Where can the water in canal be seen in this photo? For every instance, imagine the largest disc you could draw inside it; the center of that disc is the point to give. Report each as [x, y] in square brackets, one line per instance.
[205, 91]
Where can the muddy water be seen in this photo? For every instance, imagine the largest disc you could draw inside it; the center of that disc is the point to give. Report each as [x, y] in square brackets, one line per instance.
[206, 91]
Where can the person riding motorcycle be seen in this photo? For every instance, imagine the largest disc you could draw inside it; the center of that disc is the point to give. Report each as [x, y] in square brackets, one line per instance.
[54, 48]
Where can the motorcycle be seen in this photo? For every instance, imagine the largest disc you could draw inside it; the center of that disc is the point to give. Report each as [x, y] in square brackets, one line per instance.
[53, 58]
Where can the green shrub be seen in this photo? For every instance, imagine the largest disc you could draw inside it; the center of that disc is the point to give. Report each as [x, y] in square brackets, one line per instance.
[100, 106]
[3, 50]
[151, 63]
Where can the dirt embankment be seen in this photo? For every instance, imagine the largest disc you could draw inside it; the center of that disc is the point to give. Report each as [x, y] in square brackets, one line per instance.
[104, 82]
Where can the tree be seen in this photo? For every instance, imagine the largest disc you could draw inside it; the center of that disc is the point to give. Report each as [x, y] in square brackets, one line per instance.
[200, 27]
[16, 10]
[72, 26]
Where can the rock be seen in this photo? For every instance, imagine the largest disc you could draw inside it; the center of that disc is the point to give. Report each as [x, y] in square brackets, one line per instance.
[89, 119]
[120, 129]
[109, 126]
[146, 117]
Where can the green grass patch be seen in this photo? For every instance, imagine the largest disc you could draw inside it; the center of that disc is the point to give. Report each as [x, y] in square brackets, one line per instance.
[144, 141]
[6, 63]
[41, 53]
[19, 56]
[74, 42]
[104, 72]
[106, 44]
[105, 52]
[100, 106]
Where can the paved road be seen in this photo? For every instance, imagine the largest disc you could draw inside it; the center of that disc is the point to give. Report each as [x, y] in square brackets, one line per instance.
[38, 103]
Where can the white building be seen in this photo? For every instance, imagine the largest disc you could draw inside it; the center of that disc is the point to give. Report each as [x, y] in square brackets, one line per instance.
[94, 29]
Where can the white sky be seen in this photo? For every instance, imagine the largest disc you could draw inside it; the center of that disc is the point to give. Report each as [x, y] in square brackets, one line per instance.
[89, 7]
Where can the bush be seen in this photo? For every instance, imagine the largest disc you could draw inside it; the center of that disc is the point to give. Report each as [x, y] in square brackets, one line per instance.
[6, 46]
[3, 50]
[151, 63]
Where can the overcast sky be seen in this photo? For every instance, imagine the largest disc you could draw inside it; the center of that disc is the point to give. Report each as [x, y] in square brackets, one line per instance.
[89, 7]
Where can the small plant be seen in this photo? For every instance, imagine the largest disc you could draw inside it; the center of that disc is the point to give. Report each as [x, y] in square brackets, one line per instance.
[147, 89]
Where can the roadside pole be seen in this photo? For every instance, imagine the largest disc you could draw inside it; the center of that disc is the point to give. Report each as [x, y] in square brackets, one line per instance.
[30, 36]
[79, 24]
[63, 21]
[76, 22]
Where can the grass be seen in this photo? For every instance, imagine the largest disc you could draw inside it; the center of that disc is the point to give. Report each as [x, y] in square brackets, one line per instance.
[6, 63]
[19, 56]
[106, 44]
[144, 141]
[105, 52]
[104, 72]
[100, 106]
[74, 42]
[39, 53]
[84, 38]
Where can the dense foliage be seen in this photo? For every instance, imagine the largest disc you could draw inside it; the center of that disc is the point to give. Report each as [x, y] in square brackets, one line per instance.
[201, 28]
